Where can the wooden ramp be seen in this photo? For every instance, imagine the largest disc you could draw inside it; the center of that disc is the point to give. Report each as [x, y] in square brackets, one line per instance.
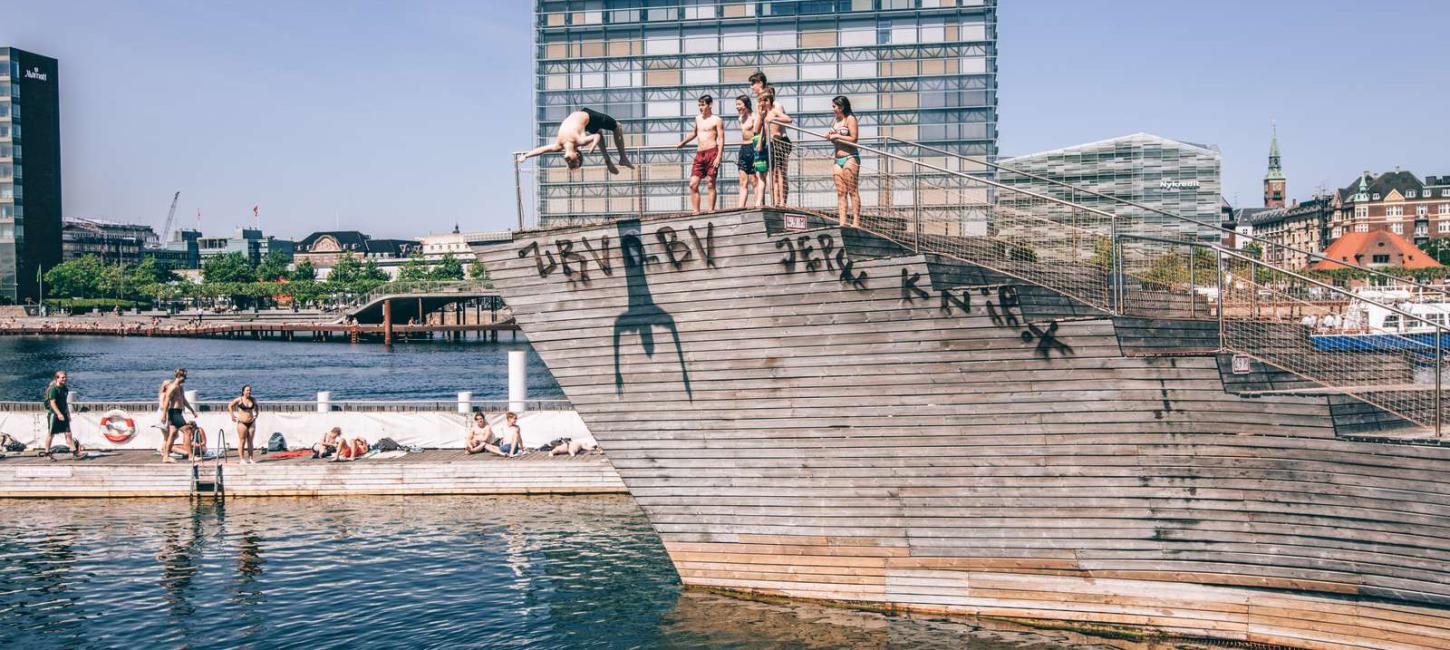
[141, 474]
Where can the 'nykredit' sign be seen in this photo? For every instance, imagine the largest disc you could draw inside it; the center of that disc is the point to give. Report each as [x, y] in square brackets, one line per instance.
[1170, 185]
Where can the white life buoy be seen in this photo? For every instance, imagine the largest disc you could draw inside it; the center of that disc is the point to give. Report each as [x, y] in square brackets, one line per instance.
[117, 426]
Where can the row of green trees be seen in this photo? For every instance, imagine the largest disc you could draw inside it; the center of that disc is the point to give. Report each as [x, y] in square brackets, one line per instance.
[90, 282]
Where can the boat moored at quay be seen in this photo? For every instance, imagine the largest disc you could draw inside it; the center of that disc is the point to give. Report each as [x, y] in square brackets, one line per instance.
[1045, 420]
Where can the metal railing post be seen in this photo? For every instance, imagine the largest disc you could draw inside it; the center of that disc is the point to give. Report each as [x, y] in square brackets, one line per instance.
[1219, 295]
[1115, 265]
[1192, 286]
[916, 205]
[1438, 363]
[519, 191]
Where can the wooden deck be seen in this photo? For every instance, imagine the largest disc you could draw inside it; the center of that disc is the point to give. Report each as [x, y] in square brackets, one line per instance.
[823, 414]
[141, 474]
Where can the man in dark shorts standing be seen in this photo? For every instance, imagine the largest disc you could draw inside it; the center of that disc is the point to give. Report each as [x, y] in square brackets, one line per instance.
[710, 130]
[57, 406]
[579, 131]
[173, 402]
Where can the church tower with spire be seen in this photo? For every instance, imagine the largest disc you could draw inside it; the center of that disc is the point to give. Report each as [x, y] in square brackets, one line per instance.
[1274, 182]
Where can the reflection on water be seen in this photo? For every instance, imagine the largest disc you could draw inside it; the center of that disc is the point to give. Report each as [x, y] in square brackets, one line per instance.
[393, 572]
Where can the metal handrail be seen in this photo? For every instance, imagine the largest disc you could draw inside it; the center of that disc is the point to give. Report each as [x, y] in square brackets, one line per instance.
[1076, 189]
[964, 175]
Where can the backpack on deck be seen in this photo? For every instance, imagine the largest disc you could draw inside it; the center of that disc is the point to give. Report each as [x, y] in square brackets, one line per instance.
[277, 442]
[11, 444]
[387, 444]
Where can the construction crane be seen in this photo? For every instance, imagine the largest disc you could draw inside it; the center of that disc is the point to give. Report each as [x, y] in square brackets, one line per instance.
[170, 216]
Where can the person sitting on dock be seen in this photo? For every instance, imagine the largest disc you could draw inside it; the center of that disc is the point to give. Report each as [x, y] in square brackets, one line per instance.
[512, 439]
[581, 130]
[328, 445]
[480, 437]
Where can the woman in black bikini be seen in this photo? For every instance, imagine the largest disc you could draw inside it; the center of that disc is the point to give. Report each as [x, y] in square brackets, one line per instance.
[244, 413]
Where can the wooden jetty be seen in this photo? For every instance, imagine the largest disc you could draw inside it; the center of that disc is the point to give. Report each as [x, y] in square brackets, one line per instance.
[141, 474]
[824, 413]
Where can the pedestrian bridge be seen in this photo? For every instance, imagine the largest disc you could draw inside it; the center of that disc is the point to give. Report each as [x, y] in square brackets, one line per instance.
[405, 302]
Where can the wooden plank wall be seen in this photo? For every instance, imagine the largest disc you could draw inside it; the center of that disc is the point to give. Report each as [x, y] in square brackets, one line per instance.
[851, 435]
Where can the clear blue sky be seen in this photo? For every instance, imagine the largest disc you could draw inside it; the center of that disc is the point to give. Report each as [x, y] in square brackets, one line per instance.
[398, 118]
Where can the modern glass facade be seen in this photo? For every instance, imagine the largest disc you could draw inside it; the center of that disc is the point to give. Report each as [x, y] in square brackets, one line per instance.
[918, 70]
[1177, 177]
[30, 201]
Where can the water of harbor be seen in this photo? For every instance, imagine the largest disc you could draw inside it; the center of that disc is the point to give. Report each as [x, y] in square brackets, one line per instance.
[417, 572]
[131, 368]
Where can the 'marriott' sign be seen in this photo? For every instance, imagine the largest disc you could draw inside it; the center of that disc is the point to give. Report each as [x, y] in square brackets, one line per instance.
[35, 73]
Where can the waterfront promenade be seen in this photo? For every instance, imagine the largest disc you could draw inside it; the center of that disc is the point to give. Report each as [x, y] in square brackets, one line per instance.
[225, 327]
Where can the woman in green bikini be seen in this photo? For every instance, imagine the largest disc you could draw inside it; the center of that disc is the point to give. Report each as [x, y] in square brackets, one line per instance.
[845, 131]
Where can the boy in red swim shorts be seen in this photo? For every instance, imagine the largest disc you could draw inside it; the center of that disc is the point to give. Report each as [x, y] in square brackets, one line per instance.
[710, 132]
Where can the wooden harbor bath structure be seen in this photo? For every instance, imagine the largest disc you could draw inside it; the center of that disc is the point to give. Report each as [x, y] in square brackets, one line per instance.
[812, 411]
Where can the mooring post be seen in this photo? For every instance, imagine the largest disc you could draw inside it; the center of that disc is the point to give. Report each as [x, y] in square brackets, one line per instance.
[518, 380]
[388, 321]
[324, 401]
[465, 401]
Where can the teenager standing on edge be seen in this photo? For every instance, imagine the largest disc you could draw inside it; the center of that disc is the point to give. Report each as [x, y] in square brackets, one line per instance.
[847, 170]
[778, 148]
[710, 131]
[745, 162]
[57, 406]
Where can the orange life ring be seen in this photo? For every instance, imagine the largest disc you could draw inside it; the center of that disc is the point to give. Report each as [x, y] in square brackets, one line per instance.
[117, 426]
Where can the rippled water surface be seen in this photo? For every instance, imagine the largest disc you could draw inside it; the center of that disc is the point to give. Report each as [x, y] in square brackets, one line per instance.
[393, 573]
[131, 368]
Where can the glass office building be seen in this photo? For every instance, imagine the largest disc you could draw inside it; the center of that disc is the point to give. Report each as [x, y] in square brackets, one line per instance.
[1181, 178]
[919, 70]
[30, 209]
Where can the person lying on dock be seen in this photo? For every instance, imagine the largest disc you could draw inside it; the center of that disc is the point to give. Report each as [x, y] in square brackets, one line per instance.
[350, 450]
[328, 445]
[581, 130]
[572, 447]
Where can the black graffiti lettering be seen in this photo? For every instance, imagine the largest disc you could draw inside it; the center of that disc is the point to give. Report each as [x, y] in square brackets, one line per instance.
[533, 249]
[848, 271]
[948, 301]
[601, 257]
[828, 246]
[1047, 340]
[568, 257]
[706, 249]
[909, 291]
[1007, 299]
[790, 259]
[676, 251]
[803, 244]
